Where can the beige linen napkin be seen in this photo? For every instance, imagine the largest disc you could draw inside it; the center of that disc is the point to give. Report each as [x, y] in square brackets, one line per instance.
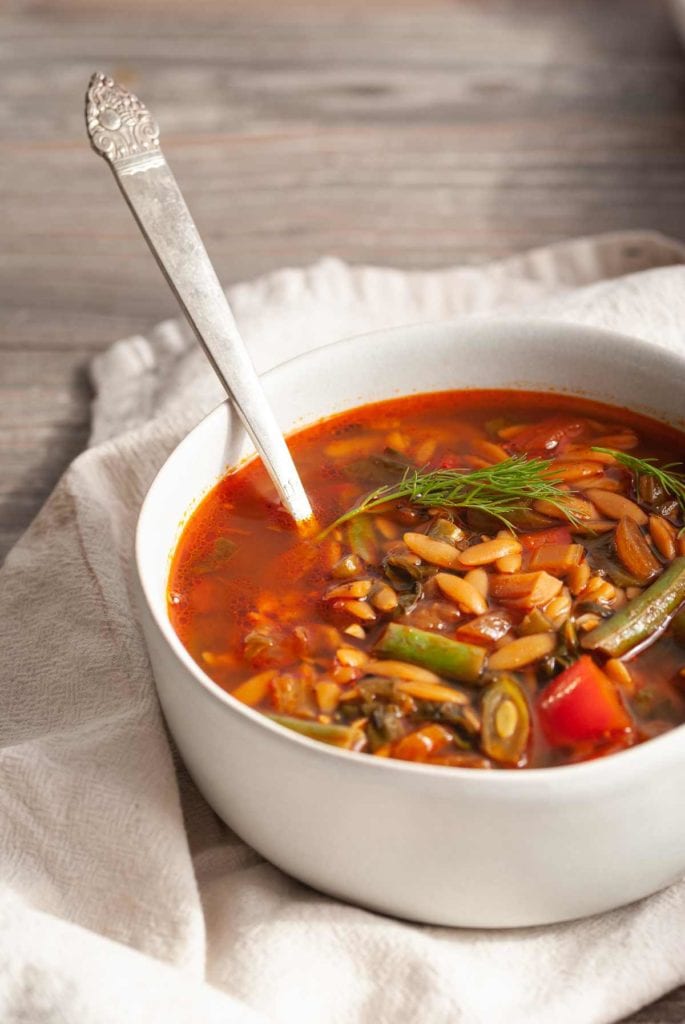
[122, 897]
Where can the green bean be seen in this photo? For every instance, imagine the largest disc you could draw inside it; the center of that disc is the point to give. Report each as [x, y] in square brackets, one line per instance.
[337, 735]
[641, 618]
[450, 658]
[506, 721]
[362, 538]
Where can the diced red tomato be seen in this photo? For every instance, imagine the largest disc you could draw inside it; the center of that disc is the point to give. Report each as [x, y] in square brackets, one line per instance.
[449, 461]
[582, 703]
[549, 437]
[555, 535]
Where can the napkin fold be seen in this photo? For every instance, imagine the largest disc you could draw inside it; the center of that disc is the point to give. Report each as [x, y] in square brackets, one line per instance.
[122, 895]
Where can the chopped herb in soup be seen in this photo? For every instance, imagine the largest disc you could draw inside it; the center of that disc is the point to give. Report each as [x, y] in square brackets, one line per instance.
[497, 581]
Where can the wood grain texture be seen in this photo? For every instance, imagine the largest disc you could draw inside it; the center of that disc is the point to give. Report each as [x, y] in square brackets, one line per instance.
[414, 133]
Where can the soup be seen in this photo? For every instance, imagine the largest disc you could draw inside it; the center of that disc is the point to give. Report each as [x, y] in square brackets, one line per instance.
[495, 581]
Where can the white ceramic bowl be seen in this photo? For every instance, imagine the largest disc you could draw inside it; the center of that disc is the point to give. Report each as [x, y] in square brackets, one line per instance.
[440, 845]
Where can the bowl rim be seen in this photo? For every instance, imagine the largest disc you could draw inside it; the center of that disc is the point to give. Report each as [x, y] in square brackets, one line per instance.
[605, 771]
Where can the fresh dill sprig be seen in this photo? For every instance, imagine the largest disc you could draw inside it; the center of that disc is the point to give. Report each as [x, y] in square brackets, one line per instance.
[497, 490]
[673, 482]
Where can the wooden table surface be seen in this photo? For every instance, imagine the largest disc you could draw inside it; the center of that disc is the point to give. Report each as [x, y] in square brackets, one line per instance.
[414, 133]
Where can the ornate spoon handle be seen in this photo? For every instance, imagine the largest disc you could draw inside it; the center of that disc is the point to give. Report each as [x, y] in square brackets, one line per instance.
[122, 130]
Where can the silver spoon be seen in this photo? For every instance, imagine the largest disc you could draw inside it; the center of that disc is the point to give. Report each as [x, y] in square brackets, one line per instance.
[122, 130]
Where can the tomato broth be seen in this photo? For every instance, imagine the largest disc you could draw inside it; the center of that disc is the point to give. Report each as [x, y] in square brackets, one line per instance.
[504, 589]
